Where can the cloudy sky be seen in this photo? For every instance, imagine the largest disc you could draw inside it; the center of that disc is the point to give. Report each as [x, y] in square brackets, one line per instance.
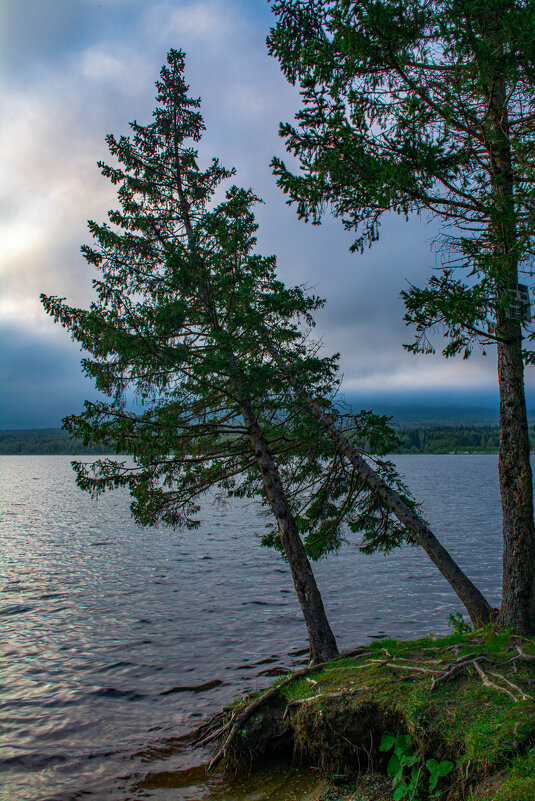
[73, 71]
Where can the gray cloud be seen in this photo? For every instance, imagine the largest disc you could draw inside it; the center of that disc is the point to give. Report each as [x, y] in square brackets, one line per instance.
[76, 71]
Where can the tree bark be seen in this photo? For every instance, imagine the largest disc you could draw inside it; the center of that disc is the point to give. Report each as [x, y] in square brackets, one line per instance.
[516, 490]
[321, 638]
[516, 483]
[477, 606]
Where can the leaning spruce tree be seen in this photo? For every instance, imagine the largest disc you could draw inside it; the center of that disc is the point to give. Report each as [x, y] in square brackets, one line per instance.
[412, 106]
[234, 395]
[184, 312]
[178, 305]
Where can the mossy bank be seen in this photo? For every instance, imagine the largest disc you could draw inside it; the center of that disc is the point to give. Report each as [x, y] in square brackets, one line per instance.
[468, 699]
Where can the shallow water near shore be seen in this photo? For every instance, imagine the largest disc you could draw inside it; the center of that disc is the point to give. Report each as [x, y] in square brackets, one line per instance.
[273, 782]
[118, 640]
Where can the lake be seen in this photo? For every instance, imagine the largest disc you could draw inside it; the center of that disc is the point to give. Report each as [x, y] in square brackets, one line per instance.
[118, 640]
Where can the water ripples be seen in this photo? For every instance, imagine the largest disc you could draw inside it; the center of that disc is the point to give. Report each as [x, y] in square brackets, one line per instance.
[117, 640]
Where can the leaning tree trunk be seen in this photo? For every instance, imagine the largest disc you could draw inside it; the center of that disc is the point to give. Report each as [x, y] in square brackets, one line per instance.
[321, 638]
[476, 604]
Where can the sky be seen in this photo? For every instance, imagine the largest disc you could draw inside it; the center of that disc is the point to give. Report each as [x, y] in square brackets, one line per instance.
[73, 71]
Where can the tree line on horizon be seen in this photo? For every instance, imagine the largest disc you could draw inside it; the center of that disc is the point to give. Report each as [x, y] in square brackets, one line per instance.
[407, 108]
[429, 439]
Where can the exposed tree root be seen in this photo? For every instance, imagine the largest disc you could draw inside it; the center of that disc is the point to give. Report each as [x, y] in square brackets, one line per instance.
[464, 662]
[523, 656]
[488, 683]
[209, 731]
[520, 657]
[455, 667]
[239, 717]
[399, 666]
[301, 701]
[523, 696]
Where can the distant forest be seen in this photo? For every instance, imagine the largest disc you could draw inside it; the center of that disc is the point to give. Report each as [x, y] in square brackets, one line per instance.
[44, 441]
[424, 439]
[454, 439]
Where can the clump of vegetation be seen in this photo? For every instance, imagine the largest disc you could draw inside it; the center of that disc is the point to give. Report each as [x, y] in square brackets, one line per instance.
[403, 759]
[460, 709]
[458, 624]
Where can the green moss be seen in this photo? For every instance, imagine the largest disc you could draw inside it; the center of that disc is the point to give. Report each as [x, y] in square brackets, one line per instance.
[515, 783]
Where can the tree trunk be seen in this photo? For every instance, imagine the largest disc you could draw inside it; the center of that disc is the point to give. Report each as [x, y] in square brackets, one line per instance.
[516, 485]
[477, 606]
[321, 638]
[516, 490]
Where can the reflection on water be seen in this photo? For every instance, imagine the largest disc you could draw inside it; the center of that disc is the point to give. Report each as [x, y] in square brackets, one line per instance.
[119, 640]
[280, 782]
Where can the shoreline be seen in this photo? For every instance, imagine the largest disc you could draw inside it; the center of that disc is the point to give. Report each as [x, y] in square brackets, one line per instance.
[462, 705]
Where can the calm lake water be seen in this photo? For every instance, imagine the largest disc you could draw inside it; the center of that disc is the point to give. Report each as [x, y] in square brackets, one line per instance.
[118, 640]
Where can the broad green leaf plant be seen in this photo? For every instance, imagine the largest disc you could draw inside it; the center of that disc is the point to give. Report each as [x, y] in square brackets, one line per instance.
[409, 773]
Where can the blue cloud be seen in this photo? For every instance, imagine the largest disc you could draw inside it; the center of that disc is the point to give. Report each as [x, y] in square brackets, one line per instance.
[42, 380]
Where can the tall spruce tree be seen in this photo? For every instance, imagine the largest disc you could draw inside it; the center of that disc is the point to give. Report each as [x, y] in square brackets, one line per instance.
[183, 314]
[412, 106]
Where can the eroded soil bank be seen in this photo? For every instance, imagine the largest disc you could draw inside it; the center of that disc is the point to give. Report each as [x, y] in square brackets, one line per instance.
[468, 699]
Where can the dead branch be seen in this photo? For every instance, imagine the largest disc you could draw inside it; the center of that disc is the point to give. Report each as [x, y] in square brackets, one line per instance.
[415, 788]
